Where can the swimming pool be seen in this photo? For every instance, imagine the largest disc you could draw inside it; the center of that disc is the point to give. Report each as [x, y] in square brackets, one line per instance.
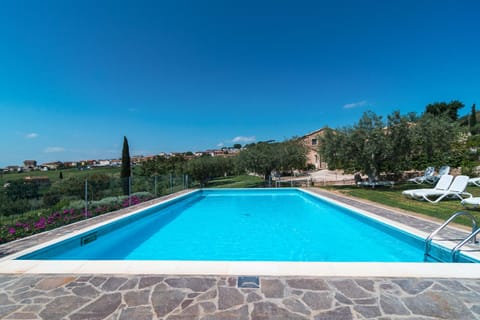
[242, 225]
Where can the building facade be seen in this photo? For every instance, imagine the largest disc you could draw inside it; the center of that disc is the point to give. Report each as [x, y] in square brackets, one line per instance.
[312, 142]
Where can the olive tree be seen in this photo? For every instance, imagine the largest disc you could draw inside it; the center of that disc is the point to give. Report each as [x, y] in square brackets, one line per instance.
[434, 141]
[259, 158]
[368, 146]
[205, 168]
[373, 146]
[264, 157]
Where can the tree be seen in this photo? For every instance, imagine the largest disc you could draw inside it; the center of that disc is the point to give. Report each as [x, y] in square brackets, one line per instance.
[161, 165]
[73, 186]
[98, 185]
[291, 155]
[332, 147]
[400, 142]
[264, 157]
[17, 190]
[473, 121]
[445, 109]
[237, 146]
[434, 138]
[368, 144]
[205, 168]
[259, 158]
[404, 142]
[126, 169]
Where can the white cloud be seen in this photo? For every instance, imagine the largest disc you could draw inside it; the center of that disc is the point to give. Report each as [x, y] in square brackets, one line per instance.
[221, 144]
[242, 139]
[32, 135]
[355, 104]
[53, 149]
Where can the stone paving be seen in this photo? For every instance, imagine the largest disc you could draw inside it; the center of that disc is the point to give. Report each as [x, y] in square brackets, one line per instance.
[70, 296]
[174, 298]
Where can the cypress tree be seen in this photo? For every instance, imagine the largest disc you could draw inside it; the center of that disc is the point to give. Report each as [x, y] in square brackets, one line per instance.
[126, 169]
[473, 120]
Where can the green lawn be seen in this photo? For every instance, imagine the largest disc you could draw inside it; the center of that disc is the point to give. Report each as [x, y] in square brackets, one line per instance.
[393, 197]
[54, 175]
[243, 181]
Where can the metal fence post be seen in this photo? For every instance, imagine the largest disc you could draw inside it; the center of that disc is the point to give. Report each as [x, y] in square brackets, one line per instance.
[129, 191]
[86, 198]
[155, 184]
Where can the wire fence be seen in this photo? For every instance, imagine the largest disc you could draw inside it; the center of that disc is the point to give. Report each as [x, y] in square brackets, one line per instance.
[29, 207]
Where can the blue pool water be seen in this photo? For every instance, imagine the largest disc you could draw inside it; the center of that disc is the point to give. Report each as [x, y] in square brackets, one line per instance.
[243, 225]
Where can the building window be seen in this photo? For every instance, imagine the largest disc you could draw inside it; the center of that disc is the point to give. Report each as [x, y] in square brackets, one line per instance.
[314, 142]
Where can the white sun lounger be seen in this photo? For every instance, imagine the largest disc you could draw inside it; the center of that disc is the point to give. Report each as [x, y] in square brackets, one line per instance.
[428, 173]
[456, 189]
[474, 181]
[442, 171]
[442, 185]
[471, 203]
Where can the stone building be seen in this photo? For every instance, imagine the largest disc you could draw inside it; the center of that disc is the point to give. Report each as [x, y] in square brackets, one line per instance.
[30, 164]
[311, 141]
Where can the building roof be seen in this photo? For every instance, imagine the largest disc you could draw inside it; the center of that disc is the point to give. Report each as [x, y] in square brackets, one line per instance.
[313, 132]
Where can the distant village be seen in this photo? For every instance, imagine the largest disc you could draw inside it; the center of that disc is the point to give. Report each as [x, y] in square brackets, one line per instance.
[32, 165]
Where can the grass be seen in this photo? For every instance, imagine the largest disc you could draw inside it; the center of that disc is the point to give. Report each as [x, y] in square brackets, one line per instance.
[54, 175]
[243, 181]
[393, 197]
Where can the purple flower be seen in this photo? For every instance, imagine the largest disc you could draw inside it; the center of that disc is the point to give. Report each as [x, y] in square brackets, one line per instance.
[11, 230]
[41, 223]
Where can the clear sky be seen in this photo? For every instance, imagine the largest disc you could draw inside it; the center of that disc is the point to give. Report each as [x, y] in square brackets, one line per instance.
[179, 75]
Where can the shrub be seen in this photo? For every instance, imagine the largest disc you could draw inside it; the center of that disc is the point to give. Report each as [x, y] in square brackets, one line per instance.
[39, 221]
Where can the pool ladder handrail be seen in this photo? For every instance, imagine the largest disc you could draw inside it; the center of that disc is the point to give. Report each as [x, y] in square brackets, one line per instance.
[457, 248]
[453, 252]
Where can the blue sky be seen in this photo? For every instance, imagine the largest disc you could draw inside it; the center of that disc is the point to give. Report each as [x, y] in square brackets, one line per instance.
[76, 76]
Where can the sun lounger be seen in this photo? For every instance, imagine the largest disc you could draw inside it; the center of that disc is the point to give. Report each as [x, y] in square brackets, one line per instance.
[471, 203]
[474, 181]
[442, 185]
[456, 190]
[428, 173]
[374, 184]
[441, 172]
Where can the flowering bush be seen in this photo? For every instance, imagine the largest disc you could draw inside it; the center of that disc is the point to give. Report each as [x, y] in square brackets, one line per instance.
[48, 221]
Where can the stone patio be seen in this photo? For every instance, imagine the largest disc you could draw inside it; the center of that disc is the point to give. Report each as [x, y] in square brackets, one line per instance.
[69, 296]
[169, 297]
